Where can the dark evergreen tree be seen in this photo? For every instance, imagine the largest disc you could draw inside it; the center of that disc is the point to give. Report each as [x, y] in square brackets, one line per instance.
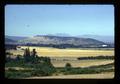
[27, 55]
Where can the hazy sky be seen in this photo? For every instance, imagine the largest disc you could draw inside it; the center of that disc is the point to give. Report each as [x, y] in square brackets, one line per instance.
[30, 20]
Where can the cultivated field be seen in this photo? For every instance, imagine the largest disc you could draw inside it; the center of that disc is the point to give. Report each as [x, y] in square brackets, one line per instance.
[54, 52]
[81, 63]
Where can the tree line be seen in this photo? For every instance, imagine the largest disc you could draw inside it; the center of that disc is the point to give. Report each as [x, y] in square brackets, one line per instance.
[97, 57]
[63, 46]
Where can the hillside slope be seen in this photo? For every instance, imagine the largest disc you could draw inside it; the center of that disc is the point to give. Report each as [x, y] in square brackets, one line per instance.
[56, 40]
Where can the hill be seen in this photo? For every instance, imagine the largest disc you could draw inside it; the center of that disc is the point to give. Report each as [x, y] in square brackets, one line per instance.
[58, 41]
[106, 39]
[9, 41]
[15, 38]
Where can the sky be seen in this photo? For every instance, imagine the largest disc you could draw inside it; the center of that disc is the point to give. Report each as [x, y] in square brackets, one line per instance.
[31, 20]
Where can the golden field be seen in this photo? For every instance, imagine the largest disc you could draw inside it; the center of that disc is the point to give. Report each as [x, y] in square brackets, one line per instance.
[54, 52]
[81, 63]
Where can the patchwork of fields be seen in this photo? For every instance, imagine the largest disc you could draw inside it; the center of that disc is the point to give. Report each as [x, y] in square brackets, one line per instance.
[59, 58]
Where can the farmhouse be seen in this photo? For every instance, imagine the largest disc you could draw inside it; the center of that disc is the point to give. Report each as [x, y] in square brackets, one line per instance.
[104, 45]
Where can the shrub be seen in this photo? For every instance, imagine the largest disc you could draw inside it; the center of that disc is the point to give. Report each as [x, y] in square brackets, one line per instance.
[68, 66]
[43, 69]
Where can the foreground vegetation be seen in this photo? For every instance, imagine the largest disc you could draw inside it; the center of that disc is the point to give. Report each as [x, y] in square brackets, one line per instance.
[21, 70]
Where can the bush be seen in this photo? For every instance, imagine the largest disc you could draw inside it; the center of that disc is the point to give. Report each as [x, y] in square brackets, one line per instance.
[68, 66]
[43, 69]
[18, 57]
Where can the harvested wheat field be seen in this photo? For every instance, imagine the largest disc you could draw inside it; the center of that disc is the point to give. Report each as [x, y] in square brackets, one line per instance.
[81, 63]
[54, 52]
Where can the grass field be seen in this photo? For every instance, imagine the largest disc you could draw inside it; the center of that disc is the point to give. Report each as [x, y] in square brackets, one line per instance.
[54, 52]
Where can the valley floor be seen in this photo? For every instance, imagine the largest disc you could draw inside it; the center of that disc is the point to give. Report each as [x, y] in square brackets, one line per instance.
[59, 58]
[70, 52]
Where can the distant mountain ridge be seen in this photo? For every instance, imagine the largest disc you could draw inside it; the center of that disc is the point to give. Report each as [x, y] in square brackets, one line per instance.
[58, 40]
[9, 41]
[106, 39]
[15, 38]
[103, 38]
[57, 34]
[68, 41]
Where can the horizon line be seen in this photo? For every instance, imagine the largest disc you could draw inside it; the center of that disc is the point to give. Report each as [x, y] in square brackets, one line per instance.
[58, 35]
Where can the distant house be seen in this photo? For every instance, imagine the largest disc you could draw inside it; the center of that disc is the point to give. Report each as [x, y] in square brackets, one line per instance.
[104, 45]
[18, 48]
